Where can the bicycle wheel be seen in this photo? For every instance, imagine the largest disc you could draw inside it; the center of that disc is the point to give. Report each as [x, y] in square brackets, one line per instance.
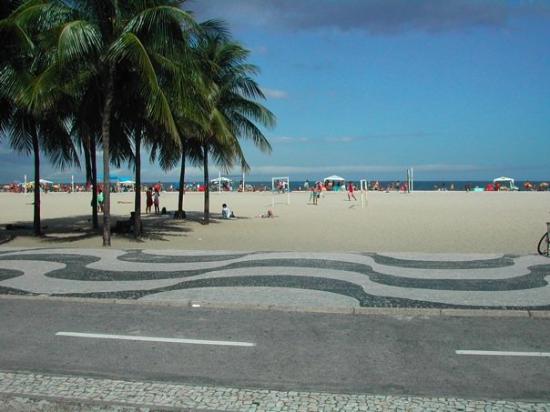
[543, 245]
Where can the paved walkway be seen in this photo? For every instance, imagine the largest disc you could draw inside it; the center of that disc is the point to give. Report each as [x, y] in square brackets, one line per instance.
[356, 282]
[107, 393]
[296, 279]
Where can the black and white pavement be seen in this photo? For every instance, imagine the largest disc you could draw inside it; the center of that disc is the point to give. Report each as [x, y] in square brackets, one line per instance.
[301, 279]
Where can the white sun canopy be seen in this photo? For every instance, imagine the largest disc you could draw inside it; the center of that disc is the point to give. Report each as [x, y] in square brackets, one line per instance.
[220, 179]
[503, 179]
[335, 178]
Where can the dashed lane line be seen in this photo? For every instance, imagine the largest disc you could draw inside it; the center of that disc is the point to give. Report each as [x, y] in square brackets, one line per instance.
[502, 353]
[155, 339]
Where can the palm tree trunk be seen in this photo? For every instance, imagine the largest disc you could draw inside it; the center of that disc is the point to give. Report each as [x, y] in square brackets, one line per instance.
[179, 213]
[87, 161]
[93, 160]
[206, 186]
[36, 150]
[137, 206]
[106, 136]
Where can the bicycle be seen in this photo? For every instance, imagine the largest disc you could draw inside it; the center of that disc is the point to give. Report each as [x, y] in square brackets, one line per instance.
[544, 243]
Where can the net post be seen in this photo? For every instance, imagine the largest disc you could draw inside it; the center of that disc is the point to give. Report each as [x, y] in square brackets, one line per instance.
[364, 188]
[547, 238]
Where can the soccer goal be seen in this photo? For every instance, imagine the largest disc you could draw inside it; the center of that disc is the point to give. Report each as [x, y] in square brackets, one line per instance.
[280, 186]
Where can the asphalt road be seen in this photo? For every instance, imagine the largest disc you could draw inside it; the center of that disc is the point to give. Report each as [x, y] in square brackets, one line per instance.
[293, 351]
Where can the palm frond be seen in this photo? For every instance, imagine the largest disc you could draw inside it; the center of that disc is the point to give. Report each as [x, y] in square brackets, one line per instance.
[78, 39]
[129, 47]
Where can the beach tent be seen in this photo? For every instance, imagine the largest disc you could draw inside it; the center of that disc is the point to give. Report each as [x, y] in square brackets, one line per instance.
[334, 183]
[334, 178]
[221, 179]
[127, 182]
[45, 182]
[506, 182]
[503, 179]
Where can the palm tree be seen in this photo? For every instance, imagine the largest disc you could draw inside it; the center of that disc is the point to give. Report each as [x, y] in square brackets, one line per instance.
[109, 35]
[231, 106]
[170, 154]
[86, 121]
[28, 97]
[190, 114]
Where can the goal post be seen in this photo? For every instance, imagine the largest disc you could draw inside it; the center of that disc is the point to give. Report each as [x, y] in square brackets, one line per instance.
[280, 186]
[363, 185]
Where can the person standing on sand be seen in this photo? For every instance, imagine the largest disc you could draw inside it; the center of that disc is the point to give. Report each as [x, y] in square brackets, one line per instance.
[317, 193]
[156, 201]
[149, 201]
[350, 192]
[100, 200]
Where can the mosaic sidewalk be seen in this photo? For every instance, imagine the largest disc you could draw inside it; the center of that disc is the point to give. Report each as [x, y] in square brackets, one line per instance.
[145, 396]
[300, 279]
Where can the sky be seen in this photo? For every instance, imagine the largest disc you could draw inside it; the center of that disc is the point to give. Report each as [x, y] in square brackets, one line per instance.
[456, 89]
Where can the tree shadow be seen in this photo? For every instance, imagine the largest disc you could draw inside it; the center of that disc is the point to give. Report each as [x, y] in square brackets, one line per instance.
[66, 229]
[75, 228]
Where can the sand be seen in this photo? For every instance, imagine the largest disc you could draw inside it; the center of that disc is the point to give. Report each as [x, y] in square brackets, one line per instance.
[431, 222]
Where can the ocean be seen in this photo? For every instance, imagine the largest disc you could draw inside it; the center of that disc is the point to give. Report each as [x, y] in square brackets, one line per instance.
[421, 185]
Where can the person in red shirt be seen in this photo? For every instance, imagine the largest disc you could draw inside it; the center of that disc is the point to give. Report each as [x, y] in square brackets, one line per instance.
[350, 192]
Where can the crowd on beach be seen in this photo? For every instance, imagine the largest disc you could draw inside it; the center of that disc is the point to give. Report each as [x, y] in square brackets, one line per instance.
[280, 186]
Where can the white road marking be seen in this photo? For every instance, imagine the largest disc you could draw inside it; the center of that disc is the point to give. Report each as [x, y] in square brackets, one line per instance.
[501, 353]
[155, 339]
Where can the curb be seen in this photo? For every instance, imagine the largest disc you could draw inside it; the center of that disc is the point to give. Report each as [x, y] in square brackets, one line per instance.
[359, 311]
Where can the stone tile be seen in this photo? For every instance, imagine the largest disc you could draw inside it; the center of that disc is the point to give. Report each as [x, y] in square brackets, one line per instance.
[485, 313]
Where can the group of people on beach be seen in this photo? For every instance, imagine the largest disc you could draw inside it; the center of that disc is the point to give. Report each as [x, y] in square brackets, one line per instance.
[152, 196]
[227, 213]
[318, 188]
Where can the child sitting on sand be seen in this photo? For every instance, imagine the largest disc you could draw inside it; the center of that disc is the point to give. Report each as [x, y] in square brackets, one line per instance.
[268, 214]
[226, 212]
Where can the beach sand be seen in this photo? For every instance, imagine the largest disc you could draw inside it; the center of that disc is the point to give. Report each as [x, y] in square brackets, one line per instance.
[431, 222]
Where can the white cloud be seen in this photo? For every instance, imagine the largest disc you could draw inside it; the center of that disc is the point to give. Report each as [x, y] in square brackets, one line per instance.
[367, 169]
[288, 139]
[274, 93]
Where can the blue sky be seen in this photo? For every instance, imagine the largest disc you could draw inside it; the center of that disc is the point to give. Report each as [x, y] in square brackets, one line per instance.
[457, 89]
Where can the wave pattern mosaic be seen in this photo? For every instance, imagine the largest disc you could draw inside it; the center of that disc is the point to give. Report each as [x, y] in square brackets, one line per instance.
[291, 278]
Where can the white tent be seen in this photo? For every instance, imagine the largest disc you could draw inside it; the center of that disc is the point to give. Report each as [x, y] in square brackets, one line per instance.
[503, 179]
[45, 182]
[334, 178]
[506, 182]
[127, 182]
[220, 179]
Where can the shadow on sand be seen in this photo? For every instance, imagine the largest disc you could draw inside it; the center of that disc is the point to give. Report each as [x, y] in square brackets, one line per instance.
[76, 228]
